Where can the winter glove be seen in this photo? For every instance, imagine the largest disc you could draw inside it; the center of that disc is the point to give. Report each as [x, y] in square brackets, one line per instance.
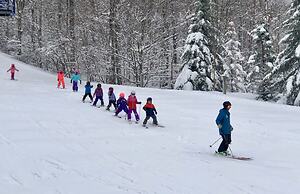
[220, 126]
[58, 80]
[139, 102]
[231, 128]
[71, 81]
[80, 81]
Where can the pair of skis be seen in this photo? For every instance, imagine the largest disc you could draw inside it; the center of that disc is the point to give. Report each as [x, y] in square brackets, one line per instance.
[146, 126]
[233, 156]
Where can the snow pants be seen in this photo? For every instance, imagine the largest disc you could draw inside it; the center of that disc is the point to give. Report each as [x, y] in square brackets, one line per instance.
[225, 143]
[151, 116]
[137, 118]
[111, 102]
[120, 108]
[12, 76]
[75, 86]
[88, 94]
[61, 82]
[96, 100]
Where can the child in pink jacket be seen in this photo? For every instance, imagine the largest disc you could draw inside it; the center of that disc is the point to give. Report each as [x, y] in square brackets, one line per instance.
[12, 70]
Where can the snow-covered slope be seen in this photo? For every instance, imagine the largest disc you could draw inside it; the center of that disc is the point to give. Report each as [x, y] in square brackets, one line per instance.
[52, 143]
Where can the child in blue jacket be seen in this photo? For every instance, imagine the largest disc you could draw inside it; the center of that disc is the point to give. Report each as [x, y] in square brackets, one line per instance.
[88, 92]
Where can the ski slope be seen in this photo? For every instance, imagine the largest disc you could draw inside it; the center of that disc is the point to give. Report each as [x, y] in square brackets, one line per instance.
[52, 143]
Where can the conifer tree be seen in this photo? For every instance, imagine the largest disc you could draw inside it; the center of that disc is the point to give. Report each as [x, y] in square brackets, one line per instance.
[234, 60]
[262, 60]
[283, 83]
[197, 57]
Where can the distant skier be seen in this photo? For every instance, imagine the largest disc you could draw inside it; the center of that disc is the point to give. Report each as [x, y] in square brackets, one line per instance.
[225, 128]
[75, 79]
[12, 70]
[88, 91]
[121, 104]
[99, 95]
[61, 79]
[150, 112]
[111, 99]
[132, 102]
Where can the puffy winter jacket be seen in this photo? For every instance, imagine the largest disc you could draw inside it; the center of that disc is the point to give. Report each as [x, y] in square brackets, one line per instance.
[150, 109]
[223, 122]
[132, 101]
[60, 76]
[88, 89]
[75, 77]
[122, 102]
[98, 92]
[111, 96]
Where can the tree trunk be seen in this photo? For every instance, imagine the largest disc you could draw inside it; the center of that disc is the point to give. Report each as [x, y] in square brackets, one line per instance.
[115, 69]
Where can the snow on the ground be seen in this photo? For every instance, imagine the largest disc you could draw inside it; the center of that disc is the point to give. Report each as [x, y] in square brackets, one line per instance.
[52, 143]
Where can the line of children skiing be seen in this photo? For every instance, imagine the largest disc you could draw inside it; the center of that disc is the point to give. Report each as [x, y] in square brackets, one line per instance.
[128, 106]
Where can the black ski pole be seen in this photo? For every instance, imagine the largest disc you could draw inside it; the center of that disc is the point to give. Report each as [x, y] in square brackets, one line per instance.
[215, 142]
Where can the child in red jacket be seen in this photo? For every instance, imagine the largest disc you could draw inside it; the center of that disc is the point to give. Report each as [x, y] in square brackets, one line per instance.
[132, 102]
[12, 70]
[150, 112]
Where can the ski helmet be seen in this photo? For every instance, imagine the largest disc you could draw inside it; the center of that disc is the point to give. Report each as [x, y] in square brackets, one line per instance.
[132, 92]
[98, 85]
[226, 104]
[122, 95]
[149, 99]
[111, 89]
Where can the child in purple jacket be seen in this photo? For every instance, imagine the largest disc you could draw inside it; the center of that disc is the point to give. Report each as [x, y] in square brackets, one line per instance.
[121, 104]
[99, 95]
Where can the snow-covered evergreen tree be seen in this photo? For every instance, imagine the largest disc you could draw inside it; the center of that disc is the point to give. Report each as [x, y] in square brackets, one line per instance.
[234, 60]
[283, 83]
[262, 60]
[197, 57]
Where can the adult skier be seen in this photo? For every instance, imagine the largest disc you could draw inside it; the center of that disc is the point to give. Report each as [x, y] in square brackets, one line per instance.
[225, 128]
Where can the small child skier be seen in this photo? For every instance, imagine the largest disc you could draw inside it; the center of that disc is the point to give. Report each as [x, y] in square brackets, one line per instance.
[111, 99]
[121, 104]
[61, 79]
[88, 91]
[150, 112]
[132, 102]
[99, 95]
[75, 79]
[12, 70]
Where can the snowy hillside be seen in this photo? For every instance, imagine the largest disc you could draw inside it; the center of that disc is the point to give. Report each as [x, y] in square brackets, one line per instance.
[52, 143]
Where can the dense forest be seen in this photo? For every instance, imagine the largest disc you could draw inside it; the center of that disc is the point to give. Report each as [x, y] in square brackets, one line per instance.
[230, 45]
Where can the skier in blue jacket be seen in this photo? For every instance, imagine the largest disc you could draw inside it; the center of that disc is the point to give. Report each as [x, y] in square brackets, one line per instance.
[88, 92]
[225, 128]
